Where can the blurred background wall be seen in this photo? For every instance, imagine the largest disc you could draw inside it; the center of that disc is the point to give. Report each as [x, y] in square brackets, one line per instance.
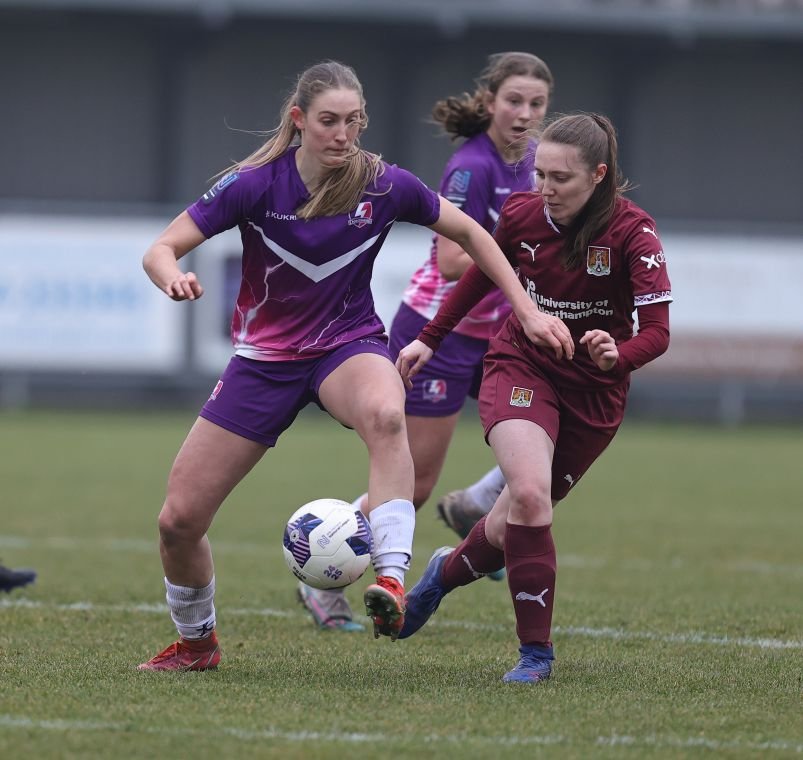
[116, 113]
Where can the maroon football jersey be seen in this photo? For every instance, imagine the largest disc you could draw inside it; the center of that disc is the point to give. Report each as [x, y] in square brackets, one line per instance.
[623, 268]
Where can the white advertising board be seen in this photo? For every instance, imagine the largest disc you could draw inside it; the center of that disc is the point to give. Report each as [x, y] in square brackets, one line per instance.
[74, 296]
[737, 310]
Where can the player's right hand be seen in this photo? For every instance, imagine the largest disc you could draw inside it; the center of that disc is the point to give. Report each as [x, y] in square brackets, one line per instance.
[410, 361]
[185, 287]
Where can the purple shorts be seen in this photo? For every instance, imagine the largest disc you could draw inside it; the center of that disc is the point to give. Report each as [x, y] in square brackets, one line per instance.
[581, 423]
[259, 400]
[454, 372]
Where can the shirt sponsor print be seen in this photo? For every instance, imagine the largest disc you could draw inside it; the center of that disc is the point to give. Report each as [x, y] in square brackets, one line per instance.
[655, 260]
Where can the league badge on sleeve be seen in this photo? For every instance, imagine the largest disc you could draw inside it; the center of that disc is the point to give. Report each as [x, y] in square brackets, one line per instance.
[457, 189]
[219, 186]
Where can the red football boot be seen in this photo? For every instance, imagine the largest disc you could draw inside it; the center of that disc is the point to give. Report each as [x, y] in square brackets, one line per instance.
[187, 654]
[384, 604]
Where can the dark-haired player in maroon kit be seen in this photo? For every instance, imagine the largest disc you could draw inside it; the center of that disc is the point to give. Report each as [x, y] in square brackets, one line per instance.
[587, 255]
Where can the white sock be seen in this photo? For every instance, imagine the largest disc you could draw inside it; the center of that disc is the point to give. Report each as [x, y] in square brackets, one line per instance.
[192, 609]
[392, 524]
[357, 503]
[486, 490]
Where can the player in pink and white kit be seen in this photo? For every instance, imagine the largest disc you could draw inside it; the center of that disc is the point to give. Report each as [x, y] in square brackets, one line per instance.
[590, 257]
[313, 210]
[495, 160]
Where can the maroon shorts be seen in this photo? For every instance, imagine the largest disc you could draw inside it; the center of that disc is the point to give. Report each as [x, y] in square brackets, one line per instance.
[580, 422]
[259, 400]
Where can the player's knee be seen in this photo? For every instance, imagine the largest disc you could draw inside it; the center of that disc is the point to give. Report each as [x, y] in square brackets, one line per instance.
[530, 500]
[386, 421]
[177, 526]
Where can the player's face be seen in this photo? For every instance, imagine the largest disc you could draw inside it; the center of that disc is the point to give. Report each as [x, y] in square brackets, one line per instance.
[517, 109]
[329, 128]
[564, 180]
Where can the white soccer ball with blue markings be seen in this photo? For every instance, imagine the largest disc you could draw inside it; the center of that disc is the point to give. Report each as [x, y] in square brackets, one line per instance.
[327, 543]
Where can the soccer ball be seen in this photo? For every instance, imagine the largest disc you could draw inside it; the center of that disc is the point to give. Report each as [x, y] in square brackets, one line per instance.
[327, 543]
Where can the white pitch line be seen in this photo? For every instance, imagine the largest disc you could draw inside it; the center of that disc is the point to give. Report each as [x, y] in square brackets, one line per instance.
[463, 740]
[694, 637]
[576, 561]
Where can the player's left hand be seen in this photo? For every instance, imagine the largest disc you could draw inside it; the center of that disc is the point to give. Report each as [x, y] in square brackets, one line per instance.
[411, 359]
[602, 348]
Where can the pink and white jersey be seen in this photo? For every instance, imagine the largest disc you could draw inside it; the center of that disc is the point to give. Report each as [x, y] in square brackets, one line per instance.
[478, 181]
[624, 267]
[306, 284]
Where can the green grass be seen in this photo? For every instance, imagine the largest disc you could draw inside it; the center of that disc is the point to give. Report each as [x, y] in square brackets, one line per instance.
[678, 619]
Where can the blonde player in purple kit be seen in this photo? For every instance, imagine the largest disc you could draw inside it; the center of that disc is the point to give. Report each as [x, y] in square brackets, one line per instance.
[313, 210]
[496, 159]
[590, 257]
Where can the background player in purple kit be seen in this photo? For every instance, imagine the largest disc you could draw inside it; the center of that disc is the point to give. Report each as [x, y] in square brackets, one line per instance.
[590, 257]
[496, 159]
[313, 211]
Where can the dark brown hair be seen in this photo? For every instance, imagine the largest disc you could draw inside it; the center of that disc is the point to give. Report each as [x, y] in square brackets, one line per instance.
[594, 137]
[466, 115]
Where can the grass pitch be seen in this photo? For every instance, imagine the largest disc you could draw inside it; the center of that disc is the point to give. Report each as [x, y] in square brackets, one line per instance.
[678, 618]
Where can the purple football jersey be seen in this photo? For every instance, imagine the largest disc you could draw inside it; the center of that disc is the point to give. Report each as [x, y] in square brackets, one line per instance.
[306, 284]
[477, 181]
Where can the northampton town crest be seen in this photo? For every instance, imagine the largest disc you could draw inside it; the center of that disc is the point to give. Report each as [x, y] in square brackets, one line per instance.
[598, 261]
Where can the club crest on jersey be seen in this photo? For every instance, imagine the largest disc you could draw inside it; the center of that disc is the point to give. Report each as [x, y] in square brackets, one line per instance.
[219, 186]
[521, 396]
[598, 261]
[362, 215]
[434, 390]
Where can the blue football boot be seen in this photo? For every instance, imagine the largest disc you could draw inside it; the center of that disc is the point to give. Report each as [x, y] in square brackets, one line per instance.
[535, 664]
[423, 598]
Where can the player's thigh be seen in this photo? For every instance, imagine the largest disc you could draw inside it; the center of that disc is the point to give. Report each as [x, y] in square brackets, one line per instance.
[210, 463]
[524, 452]
[365, 392]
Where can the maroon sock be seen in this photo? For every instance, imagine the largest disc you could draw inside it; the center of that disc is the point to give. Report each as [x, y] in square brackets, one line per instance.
[531, 568]
[472, 559]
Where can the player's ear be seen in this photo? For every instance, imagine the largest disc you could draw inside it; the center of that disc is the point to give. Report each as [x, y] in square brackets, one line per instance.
[297, 115]
[599, 173]
[489, 101]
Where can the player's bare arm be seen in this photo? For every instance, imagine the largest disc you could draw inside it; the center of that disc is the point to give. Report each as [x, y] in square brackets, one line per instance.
[542, 329]
[452, 259]
[161, 259]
